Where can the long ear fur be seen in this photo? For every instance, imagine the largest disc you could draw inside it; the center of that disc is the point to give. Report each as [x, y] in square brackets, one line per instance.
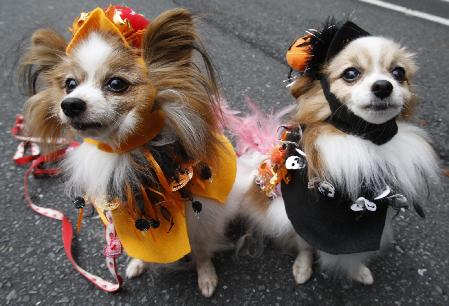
[46, 51]
[300, 86]
[312, 106]
[411, 68]
[188, 96]
[40, 119]
[312, 110]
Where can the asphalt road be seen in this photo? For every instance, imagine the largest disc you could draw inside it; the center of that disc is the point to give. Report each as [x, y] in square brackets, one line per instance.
[247, 40]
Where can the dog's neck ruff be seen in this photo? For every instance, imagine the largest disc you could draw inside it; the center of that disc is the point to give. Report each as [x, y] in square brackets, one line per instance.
[345, 120]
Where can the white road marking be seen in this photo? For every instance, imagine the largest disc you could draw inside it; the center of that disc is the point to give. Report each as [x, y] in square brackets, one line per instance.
[410, 12]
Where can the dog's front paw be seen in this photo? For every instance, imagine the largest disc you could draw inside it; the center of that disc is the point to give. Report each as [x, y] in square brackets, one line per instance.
[207, 278]
[135, 268]
[301, 273]
[302, 267]
[363, 275]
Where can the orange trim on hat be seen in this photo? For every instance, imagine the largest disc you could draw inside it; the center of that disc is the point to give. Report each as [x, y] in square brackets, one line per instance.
[109, 20]
[95, 20]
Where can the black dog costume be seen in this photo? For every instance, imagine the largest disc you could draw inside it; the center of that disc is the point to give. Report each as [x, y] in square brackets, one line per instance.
[328, 220]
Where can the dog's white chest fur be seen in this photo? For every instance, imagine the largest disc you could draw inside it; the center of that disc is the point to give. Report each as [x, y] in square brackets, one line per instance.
[91, 171]
[407, 162]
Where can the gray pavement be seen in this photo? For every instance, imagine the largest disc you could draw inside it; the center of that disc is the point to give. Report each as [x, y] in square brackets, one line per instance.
[247, 40]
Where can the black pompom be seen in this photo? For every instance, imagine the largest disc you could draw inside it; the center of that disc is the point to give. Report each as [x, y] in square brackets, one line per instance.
[142, 224]
[79, 202]
[185, 193]
[206, 172]
[154, 223]
[197, 207]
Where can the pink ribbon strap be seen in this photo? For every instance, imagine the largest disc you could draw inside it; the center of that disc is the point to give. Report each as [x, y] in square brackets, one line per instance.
[113, 247]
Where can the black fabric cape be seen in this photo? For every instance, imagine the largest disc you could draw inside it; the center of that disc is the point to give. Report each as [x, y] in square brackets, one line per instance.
[329, 224]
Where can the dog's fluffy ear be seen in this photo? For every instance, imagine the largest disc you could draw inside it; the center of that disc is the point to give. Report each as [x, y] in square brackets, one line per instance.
[170, 39]
[169, 43]
[41, 121]
[312, 105]
[186, 94]
[46, 50]
[408, 60]
[300, 86]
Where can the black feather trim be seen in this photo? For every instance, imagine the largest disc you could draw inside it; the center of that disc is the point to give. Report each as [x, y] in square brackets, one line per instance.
[169, 157]
[328, 42]
[319, 42]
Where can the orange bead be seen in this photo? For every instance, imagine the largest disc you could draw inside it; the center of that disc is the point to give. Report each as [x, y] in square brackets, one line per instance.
[277, 156]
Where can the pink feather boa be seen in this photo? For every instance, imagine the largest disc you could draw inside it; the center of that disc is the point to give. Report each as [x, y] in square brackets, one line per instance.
[256, 131]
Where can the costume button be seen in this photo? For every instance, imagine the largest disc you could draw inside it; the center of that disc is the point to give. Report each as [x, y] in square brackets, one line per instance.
[79, 202]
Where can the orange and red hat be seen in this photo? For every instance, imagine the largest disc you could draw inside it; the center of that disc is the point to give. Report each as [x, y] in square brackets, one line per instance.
[121, 20]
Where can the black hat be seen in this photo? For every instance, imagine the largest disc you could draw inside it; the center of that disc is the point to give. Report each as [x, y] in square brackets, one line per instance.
[319, 47]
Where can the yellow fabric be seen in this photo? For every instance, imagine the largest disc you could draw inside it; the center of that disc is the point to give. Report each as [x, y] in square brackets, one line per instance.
[223, 175]
[155, 245]
[160, 246]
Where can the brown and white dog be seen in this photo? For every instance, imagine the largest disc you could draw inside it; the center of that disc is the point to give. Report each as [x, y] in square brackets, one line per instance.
[371, 79]
[99, 87]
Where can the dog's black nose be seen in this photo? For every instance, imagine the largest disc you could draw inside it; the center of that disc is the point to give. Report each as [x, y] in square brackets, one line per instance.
[73, 107]
[382, 89]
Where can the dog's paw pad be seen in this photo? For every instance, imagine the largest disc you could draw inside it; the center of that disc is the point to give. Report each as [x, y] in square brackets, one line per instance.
[363, 275]
[302, 273]
[207, 278]
[135, 268]
[207, 284]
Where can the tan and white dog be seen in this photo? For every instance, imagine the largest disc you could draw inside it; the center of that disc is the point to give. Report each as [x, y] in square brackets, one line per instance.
[132, 89]
[354, 135]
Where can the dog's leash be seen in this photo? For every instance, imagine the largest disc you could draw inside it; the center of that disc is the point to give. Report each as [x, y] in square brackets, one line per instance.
[113, 248]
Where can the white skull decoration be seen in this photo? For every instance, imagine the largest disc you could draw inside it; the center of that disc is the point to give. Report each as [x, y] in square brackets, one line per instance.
[295, 162]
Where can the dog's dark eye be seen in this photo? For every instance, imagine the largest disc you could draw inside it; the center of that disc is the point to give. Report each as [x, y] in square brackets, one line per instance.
[70, 85]
[398, 74]
[350, 74]
[116, 84]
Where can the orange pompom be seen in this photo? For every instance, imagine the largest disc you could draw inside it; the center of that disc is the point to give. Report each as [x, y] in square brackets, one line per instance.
[299, 53]
[277, 156]
[263, 168]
